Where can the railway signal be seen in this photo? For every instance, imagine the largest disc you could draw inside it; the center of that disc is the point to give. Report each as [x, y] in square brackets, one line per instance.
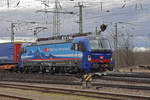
[103, 27]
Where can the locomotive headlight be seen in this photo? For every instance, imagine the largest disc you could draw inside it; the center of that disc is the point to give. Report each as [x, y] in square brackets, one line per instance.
[101, 57]
[89, 58]
[111, 58]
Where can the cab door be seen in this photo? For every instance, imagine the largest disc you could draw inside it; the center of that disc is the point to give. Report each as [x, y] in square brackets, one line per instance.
[82, 48]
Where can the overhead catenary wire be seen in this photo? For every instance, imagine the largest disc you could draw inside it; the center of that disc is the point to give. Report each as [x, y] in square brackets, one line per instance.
[30, 17]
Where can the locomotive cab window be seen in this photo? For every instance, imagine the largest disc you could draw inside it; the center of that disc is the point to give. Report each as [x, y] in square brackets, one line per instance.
[105, 44]
[98, 44]
[23, 50]
[95, 44]
[78, 47]
[74, 46]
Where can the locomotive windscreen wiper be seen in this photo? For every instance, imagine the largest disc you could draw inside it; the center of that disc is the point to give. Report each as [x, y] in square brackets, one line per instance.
[105, 44]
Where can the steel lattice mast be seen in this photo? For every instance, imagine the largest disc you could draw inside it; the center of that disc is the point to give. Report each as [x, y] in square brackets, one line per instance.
[56, 19]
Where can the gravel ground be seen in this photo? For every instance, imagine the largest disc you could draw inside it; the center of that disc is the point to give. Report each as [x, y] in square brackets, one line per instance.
[43, 96]
[40, 96]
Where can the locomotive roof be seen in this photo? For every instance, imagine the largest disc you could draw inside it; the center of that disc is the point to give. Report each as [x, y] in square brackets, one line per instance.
[50, 42]
[96, 37]
[16, 42]
[65, 40]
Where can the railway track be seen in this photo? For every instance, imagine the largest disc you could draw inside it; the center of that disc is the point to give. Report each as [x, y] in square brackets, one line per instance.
[114, 76]
[125, 79]
[52, 79]
[134, 77]
[124, 86]
[8, 97]
[77, 92]
[57, 79]
[96, 84]
[129, 74]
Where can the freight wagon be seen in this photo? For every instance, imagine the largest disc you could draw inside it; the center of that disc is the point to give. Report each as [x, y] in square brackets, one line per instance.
[81, 54]
[9, 55]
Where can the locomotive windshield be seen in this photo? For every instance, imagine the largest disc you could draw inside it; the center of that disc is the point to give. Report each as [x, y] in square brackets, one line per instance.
[99, 44]
[105, 44]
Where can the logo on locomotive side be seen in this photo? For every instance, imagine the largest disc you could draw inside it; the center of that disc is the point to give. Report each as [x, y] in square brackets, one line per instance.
[47, 49]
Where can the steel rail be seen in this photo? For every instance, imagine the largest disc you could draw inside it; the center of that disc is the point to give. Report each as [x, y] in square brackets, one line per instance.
[78, 92]
[127, 74]
[14, 97]
[125, 86]
[125, 79]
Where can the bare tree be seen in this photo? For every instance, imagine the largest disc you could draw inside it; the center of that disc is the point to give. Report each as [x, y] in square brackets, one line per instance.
[126, 54]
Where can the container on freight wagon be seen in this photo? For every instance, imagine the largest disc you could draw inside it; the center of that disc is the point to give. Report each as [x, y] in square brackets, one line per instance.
[9, 55]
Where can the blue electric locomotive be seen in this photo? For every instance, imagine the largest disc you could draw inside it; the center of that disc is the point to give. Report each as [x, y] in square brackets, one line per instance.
[80, 54]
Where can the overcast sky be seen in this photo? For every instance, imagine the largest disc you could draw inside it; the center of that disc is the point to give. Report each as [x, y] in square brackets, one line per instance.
[134, 13]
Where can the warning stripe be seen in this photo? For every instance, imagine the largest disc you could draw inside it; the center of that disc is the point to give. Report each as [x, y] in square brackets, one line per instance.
[88, 78]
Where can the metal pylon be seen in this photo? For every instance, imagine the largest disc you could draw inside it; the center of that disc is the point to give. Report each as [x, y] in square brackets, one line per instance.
[56, 19]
